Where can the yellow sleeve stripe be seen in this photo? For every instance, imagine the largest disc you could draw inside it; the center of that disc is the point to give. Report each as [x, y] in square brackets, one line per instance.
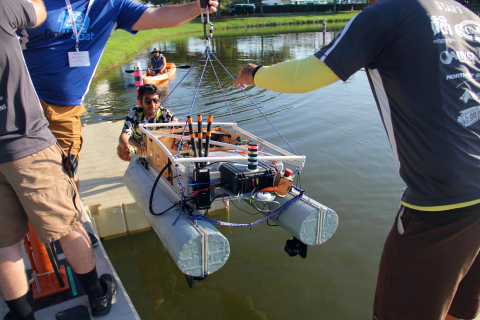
[442, 208]
[295, 76]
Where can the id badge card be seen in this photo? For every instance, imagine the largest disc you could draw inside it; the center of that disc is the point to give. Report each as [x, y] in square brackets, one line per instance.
[79, 59]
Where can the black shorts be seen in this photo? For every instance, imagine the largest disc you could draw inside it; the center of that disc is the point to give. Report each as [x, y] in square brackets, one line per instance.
[431, 269]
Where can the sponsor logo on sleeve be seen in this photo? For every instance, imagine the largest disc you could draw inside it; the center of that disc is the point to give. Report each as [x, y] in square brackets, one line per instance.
[469, 116]
[448, 56]
[448, 7]
[440, 25]
[467, 95]
[469, 30]
[461, 75]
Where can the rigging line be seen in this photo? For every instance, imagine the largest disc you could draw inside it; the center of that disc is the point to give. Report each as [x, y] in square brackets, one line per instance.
[166, 98]
[207, 51]
[264, 115]
[223, 92]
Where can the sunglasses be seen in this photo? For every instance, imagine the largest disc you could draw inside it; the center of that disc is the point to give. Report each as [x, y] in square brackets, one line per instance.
[148, 101]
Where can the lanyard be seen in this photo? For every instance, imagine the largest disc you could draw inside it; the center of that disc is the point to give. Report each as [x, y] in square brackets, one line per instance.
[72, 20]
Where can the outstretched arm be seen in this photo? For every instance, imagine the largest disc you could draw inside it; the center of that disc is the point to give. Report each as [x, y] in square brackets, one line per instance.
[149, 66]
[294, 76]
[123, 149]
[164, 65]
[171, 16]
[40, 11]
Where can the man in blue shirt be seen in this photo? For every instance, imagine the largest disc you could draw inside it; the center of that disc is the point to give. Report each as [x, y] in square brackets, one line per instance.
[63, 53]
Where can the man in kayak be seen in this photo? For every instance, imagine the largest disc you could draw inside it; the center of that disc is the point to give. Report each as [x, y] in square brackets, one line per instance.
[34, 184]
[63, 53]
[422, 60]
[157, 63]
[131, 138]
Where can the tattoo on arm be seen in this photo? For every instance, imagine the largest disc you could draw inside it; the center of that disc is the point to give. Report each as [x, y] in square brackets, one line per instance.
[248, 69]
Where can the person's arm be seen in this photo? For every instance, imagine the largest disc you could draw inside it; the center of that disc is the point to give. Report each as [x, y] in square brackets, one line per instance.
[294, 76]
[170, 16]
[123, 148]
[164, 64]
[40, 11]
[149, 66]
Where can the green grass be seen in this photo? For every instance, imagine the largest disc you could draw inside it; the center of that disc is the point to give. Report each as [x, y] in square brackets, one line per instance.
[123, 45]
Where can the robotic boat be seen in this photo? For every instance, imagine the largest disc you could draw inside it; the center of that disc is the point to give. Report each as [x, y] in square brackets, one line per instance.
[177, 181]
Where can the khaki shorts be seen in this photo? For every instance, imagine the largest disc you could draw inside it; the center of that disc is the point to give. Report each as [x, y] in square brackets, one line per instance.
[433, 268]
[64, 122]
[36, 188]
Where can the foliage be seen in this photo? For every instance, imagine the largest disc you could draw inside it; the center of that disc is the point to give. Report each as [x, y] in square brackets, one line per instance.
[312, 7]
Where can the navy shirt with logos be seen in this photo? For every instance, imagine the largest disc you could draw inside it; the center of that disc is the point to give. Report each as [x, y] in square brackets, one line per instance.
[46, 47]
[422, 59]
[23, 127]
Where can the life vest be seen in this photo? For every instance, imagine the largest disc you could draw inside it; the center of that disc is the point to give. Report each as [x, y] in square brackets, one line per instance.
[157, 63]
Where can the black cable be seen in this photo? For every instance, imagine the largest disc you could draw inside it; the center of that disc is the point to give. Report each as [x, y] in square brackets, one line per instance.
[153, 190]
[158, 214]
[253, 214]
[272, 225]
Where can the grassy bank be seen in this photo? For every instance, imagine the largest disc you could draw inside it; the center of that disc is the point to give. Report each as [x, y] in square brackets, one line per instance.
[123, 45]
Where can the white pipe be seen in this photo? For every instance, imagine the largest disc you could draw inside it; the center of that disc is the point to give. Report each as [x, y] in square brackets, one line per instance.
[274, 147]
[300, 159]
[297, 160]
[181, 124]
[148, 133]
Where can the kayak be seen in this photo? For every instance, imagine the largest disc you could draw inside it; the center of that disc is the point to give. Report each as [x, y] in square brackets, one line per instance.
[171, 71]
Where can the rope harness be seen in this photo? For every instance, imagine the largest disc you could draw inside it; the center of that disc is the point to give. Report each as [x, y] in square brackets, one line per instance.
[208, 54]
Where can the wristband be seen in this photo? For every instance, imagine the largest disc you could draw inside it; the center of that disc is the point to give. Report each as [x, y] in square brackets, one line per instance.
[255, 70]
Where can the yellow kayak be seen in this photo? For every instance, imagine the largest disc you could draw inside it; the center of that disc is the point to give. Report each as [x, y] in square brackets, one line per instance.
[171, 71]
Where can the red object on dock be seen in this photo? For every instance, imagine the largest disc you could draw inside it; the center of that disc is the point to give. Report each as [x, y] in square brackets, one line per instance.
[42, 269]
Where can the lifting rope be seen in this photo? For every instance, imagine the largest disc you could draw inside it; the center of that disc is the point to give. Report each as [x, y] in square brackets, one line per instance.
[206, 21]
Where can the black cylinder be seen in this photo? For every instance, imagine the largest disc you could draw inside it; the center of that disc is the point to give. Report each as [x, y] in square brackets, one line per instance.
[252, 155]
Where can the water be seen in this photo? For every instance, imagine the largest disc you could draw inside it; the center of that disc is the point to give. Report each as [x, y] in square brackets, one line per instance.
[350, 168]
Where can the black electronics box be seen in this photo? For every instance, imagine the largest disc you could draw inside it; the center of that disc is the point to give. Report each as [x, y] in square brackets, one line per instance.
[201, 176]
[238, 179]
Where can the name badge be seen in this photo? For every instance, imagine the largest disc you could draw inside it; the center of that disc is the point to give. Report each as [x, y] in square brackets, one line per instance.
[79, 59]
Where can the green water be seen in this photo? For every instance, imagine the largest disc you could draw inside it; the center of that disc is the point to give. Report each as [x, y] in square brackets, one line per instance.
[350, 168]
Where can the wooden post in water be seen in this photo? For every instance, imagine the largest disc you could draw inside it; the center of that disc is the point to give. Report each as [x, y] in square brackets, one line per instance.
[324, 32]
[138, 79]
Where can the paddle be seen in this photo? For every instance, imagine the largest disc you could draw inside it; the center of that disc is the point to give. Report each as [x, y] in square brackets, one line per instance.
[178, 67]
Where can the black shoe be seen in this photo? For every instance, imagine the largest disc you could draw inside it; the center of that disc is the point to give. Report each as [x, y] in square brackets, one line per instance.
[93, 239]
[102, 305]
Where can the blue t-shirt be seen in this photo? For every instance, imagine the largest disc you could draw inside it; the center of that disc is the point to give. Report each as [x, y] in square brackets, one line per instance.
[46, 47]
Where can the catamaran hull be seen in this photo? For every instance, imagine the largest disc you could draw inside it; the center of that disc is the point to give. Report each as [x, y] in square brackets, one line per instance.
[197, 248]
[308, 220]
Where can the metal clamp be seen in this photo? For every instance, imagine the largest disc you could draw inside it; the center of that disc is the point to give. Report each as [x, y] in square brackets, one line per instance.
[205, 22]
